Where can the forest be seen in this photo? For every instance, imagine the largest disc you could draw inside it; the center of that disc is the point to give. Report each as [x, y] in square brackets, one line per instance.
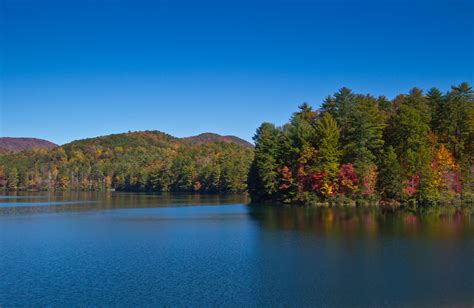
[354, 149]
[360, 149]
[134, 161]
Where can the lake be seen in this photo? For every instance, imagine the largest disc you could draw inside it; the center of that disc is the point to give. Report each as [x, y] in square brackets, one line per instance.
[87, 249]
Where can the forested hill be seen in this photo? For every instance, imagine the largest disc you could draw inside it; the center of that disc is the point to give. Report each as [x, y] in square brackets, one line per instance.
[157, 138]
[21, 144]
[133, 161]
[127, 140]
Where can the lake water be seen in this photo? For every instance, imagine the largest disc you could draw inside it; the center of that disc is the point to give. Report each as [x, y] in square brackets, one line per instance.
[131, 249]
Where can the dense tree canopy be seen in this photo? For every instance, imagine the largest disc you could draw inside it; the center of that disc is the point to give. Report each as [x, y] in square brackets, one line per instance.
[417, 147]
[137, 161]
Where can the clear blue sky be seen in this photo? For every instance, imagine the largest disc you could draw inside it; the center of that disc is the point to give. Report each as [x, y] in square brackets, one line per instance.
[72, 69]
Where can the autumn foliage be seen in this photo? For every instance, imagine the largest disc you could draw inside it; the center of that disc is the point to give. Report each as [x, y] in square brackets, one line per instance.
[417, 147]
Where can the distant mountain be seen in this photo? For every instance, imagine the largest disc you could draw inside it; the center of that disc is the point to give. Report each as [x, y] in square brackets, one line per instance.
[21, 144]
[211, 137]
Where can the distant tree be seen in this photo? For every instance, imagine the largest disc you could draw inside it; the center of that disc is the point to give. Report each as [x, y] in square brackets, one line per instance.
[12, 179]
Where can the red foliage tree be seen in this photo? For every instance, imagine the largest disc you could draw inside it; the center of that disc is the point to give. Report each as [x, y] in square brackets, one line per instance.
[347, 179]
[411, 185]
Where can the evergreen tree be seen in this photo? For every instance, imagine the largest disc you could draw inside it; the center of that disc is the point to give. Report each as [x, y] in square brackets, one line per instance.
[300, 128]
[364, 141]
[460, 115]
[407, 132]
[385, 106]
[436, 101]
[263, 180]
[415, 99]
[390, 176]
[340, 107]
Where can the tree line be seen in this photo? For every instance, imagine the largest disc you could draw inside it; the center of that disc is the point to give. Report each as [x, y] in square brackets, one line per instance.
[417, 147]
[136, 161]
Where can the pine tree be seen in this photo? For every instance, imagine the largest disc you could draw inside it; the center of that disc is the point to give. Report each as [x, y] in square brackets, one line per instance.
[460, 118]
[418, 101]
[436, 101]
[364, 142]
[263, 176]
[300, 129]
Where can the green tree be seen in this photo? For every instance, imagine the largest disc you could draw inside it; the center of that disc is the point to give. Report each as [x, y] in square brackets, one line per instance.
[340, 107]
[460, 119]
[364, 142]
[329, 153]
[436, 101]
[460, 131]
[428, 192]
[300, 128]
[390, 176]
[407, 132]
[263, 180]
[415, 99]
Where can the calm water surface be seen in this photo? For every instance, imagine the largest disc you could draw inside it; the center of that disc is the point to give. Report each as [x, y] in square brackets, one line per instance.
[131, 249]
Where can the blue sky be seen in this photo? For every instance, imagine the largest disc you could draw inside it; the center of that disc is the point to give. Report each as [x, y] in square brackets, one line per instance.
[72, 69]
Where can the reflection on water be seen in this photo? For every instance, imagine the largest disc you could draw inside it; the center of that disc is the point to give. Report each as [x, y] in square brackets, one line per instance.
[349, 222]
[23, 197]
[92, 201]
[49, 203]
[109, 249]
